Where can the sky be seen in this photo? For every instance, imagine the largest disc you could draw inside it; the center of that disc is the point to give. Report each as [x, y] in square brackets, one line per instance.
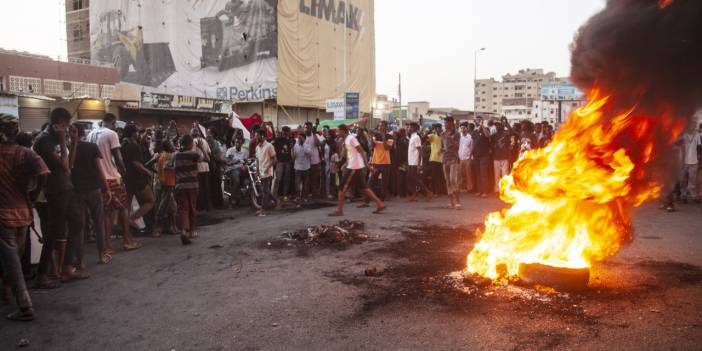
[430, 42]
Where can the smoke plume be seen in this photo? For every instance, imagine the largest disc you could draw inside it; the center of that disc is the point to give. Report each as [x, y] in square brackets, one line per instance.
[646, 53]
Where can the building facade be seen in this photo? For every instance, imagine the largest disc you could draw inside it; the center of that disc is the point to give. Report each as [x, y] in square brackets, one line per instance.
[78, 30]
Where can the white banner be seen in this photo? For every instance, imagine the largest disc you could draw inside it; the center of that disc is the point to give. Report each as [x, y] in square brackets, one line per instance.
[206, 48]
[338, 107]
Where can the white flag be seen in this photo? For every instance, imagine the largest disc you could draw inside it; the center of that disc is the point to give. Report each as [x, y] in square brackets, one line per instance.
[236, 123]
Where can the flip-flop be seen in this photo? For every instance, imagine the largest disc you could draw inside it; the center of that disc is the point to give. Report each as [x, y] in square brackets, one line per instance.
[132, 247]
[336, 214]
[380, 209]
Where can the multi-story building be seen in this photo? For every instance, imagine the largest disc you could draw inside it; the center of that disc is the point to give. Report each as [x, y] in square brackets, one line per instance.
[520, 96]
[78, 30]
[384, 107]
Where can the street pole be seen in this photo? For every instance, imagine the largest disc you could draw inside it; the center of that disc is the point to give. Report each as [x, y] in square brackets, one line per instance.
[475, 78]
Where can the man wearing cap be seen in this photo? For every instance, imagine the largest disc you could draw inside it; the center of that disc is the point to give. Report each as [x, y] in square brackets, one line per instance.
[18, 165]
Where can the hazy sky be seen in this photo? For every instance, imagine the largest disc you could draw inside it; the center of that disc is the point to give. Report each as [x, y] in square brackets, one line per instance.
[431, 42]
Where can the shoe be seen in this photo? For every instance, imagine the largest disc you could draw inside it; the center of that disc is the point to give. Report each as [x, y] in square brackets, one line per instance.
[22, 315]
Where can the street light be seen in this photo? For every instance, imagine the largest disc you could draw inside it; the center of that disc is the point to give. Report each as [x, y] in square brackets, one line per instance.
[475, 77]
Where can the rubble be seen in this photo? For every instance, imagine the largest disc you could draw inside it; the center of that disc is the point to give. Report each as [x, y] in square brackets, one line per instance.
[345, 232]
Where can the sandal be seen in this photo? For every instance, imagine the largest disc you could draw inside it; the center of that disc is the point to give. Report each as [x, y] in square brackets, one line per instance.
[336, 214]
[458, 207]
[380, 209]
[74, 276]
[22, 315]
[363, 205]
[131, 247]
[105, 259]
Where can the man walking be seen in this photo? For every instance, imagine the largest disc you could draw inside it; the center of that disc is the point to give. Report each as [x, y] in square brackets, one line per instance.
[186, 187]
[137, 178]
[18, 165]
[382, 146]
[356, 161]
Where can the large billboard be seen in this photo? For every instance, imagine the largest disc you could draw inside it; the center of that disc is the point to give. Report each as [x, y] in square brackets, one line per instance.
[325, 49]
[223, 49]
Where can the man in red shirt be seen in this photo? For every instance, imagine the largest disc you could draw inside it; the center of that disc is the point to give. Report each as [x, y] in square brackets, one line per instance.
[18, 165]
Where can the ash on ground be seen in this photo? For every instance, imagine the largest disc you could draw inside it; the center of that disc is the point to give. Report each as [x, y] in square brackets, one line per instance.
[339, 236]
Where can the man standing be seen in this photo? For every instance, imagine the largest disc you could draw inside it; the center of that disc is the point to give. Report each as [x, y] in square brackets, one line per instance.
[200, 146]
[51, 145]
[301, 158]
[235, 158]
[414, 179]
[691, 140]
[501, 147]
[481, 154]
[265, 154]
[186, 187]
[17, 166]
[450, 141]
[436, 159]
[137, 178]
[115, 203]
[313, 143]
[356, 161]
[382, 146]
[465, 156]
[283, 144]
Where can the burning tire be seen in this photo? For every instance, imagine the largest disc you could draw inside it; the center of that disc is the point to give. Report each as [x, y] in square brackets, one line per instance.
[561, 279]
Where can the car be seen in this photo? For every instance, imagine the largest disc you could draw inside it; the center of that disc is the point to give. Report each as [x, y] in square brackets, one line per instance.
[90, 124]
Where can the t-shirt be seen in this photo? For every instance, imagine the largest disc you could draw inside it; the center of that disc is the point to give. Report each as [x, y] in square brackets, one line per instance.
[691, 140]
[134, 180]
[381, 155]
[353, 156]
[500, 145]
[204, 152]
[283, 147]
[449, 145]
[106, 140]
[85, 176]
[166, 175]
[413, 151]
[59, 180]
[435, 143]
[301, 155]
[314, 150]
[235, 158]
[18, 165]
[265, 154]
[465, 147]
[185, 165]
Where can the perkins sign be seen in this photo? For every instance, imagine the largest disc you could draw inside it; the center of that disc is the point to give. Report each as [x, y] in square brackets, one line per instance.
[335, 12]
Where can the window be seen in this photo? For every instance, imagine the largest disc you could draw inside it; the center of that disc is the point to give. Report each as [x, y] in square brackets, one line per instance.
[483, 100]
[518, 95]
[77, 4]
[25, 84]
[76, 35]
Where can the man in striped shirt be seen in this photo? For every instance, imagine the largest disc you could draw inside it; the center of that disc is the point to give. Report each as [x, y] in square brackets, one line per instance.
[186, 187]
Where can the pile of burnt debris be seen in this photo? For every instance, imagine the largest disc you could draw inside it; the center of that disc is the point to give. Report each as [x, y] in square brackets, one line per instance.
[339, 235]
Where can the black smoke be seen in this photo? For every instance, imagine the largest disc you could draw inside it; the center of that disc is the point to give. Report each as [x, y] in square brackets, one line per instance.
[644, 54]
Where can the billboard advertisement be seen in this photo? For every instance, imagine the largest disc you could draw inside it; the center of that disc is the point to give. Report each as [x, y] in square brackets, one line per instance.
[353, 102]
[560, 91]
[325, 49]
[223, 49]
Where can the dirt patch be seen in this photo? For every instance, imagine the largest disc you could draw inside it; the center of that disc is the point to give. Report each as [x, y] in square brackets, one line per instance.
[339, 236]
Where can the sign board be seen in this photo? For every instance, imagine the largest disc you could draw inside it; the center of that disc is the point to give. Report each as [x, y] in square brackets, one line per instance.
[337, 107]
[560, 91]
[217, 48]
[353, 103]
[9, 104]
[185, 103]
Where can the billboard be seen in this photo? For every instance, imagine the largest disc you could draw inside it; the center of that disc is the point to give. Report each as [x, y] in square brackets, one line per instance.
[325, 49]
[560, 91]
[223, 49]
[353, 101]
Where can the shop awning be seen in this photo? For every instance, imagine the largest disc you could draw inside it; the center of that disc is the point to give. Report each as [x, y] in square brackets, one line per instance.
[335, 123]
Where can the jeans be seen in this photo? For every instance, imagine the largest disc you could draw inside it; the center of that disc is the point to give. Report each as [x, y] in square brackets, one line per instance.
[81, 205]
[466, 174]
[301, 182]
[501, 169]
[451, 175]
[187, 210]
[484, 175]
[57, 216]
[689, 192]
[314, 180]
[379, 170]
[267, 196]
[283, 172]
[11, 266]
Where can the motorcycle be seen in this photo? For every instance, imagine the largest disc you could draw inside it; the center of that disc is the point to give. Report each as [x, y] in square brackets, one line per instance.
[250, 186]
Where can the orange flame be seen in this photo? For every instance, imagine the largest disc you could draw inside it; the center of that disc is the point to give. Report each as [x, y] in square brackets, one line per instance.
[570, 201]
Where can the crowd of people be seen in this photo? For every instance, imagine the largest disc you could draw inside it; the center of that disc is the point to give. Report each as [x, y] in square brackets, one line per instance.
[99, 185]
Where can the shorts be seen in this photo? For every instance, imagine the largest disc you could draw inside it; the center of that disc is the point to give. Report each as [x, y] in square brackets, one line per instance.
[119, 195]
[353, 179]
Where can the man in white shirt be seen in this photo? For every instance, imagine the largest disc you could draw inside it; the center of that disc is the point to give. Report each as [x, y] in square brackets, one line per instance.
[465, 155]
[356, 161]
[265, 154]
[234, 165]
[414, 179]
[691, 140]
[107, 141]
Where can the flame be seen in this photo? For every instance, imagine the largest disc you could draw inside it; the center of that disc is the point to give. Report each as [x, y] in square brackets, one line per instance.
[570, 201]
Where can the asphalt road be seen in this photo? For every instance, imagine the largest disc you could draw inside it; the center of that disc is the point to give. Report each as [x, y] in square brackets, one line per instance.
[240, 287]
